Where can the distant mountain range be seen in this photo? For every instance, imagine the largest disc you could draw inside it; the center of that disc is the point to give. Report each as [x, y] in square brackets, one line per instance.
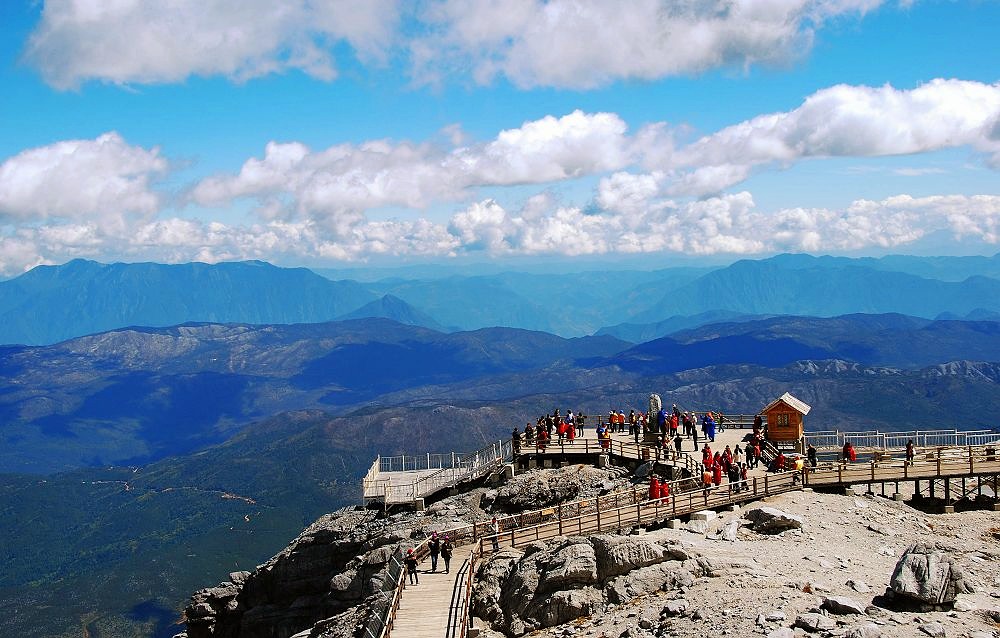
[52, 303]
[49, 304]
[136, 395]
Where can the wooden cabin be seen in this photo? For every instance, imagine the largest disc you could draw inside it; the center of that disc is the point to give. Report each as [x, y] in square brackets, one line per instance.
[785, 425]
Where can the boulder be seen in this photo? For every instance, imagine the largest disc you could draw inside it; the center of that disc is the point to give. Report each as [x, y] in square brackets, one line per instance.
[843, 605]
[646, 580]
[867, 630]
[574, 564]
[933, 629]
[859, 586]
[618, 555]
[643, 470]
[564, 606]
[675, 607]
[697, 526]
[927, 574]
[813, 622]
[730, 531]
[769, 520]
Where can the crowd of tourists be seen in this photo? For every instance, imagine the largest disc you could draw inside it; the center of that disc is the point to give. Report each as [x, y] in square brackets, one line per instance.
[671, 427]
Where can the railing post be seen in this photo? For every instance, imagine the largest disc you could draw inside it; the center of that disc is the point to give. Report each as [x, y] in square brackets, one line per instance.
[766, 489]
[559, 514]
[972, 463]
[598, 512]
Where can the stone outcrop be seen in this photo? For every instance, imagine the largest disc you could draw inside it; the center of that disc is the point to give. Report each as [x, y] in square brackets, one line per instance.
[545, 488]
[768, 520]
[927, 574]
[556, 581]
[325, 573]
[842, 605]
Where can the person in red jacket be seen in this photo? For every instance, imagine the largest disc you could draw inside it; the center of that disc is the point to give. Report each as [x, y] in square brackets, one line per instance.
[717, 471]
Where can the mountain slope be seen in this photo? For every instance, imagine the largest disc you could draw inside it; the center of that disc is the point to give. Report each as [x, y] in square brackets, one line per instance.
[394, 308]
[769, 287]
[889, 340]
[137, 395]
[49, 304]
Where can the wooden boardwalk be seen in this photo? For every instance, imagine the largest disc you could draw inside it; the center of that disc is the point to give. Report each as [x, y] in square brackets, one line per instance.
[423, 609]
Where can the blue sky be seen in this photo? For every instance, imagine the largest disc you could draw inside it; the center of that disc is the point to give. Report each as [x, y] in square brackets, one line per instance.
[341, 132]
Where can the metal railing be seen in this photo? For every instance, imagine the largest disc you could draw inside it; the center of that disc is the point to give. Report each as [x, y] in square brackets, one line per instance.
[451, 469]
[833, 439]
[383, 610]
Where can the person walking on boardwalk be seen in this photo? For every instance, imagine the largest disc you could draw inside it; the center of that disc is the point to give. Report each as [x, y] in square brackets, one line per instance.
[495, 532]
[434, 546]
[446, 551]
[849, 455]
[677, 443]
[811, 455]
[909, 452]
[411, 567]
[515, 441]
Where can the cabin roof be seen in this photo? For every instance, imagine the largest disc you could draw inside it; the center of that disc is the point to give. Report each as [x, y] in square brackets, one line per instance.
[790, 401]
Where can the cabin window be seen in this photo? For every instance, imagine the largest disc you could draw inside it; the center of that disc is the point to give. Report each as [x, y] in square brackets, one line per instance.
[782, 420]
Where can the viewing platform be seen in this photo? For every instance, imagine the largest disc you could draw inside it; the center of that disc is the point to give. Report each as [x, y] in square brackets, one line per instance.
[946, 466]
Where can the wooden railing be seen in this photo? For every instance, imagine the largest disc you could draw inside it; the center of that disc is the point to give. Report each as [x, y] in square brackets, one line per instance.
[941, 462]
[461, 597]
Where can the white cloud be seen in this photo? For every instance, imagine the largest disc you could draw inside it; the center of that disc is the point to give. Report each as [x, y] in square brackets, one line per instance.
[75, 179]
[336, 185]
[729, 225]
[154, 42]
[558, 43]
[339, 183]
[845, 121]
[590, 43]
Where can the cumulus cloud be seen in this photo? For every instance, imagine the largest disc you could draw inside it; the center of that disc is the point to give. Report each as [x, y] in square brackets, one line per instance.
[845, 121]
[156, 42]
[557, 43]
[75, 179]
[588, 43]
[841, 121]
[730, 224]
[339, 183]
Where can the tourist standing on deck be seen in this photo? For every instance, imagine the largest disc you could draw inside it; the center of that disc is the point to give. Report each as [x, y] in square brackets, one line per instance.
[811, 455]
[434, 546]
[677, 442]
[709, 426]
[411, 567]
[446, 550]
[909, 452]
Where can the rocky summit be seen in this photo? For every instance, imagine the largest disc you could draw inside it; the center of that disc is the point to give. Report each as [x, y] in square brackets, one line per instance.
[801, 564]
